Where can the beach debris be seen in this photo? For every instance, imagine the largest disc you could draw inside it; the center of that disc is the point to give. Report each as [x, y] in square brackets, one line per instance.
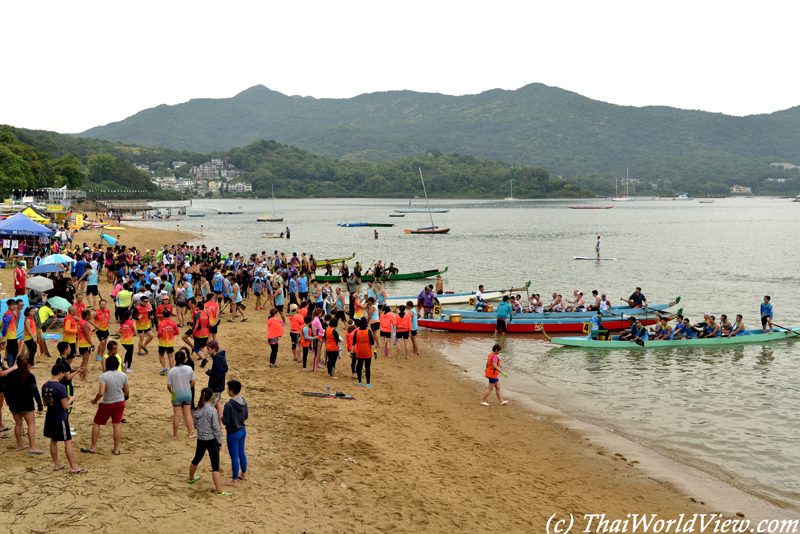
[351, 461]
[343, 486]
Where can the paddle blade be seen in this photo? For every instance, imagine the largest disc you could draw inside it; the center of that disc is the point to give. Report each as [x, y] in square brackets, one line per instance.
[504, 374]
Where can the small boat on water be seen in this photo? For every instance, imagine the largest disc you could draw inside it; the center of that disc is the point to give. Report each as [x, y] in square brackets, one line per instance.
[272, 236]
[749, 336]
[271, 218]
[683, 196]
[590, 207]
[461, 298]
[321, 263]
[397, 215]
[230, 212]
[615, 311]
[154, 219]
[428, 231]
[517, 327]
[371, 225]
[197, 215]
[421, 211]
[386, 278]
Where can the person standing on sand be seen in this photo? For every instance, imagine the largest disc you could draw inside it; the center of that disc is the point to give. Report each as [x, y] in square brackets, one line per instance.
[492, 373]
[216, 375]
[332, 340]
[114, 390]
[209, 438]
[233, 417]
[21, 392]
[362, 345]
[56, 420]
[274, 334]
[180, 381]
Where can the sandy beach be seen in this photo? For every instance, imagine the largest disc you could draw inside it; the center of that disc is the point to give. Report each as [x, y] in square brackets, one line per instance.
[415, 454]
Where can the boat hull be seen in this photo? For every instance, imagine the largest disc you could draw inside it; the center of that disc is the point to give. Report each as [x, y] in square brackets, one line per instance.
[270, 219]
[751, 336]
[421, 211]
[321, 263]
[515, 327]
[139, 219]
[439, 231]
[590, 208]
[453, 298]
[615, 311]
[387, 278]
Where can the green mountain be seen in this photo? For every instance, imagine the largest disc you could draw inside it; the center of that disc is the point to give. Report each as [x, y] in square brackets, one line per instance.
[548, 127]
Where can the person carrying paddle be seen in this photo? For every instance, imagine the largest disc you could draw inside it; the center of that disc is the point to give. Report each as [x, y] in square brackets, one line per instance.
[766, 315]
[637, 299]
[493, 374]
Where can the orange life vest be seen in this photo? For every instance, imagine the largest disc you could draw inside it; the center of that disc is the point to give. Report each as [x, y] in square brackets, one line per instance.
[404, 322]
[274, 328]
[491, 372]
[363, 348]
[303, 341]
[330, 343]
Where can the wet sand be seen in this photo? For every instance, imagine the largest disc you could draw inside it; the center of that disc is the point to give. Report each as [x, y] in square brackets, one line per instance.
[415, 454]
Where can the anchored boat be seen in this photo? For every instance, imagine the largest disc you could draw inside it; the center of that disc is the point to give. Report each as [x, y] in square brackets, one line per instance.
[749, 336]
[388, 277]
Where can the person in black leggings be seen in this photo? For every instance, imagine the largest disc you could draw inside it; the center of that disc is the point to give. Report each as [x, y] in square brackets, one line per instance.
[332, 345]
[209, 438]
[363, 344]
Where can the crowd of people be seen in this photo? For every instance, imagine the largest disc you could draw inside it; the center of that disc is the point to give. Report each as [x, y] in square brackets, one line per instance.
[181, 294]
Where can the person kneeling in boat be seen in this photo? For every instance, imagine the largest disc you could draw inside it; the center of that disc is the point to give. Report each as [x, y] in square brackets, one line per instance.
[687, 332]
[664, 330]
[724, 325]
[637, 299]
[629, 334]
[737, 329]
[712, 329]
[578, 305]
[480, 303]
[641, 333]
[593, 304]
[596, 330]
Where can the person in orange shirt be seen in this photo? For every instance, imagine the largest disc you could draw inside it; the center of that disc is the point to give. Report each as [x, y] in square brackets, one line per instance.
[403, 324]
[143, 325]
[70, 329]
[101, 318]
[274, 334]
[167, 330]
[30, 335]
[388, 319]
[85, 347]
[295, 328]
[127, 329]
[212, 309]
[351, 332]
[79, 305]
[362, 345]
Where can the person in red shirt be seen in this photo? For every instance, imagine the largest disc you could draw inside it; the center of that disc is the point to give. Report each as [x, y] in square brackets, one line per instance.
[101, 319]
[199, 331]
[127, 329]
[143, 325]
[165, 305]
[167, 331]
[20, 279]
[80, 306]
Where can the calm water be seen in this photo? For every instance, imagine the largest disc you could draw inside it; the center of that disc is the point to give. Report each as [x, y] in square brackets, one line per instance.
[733, 411]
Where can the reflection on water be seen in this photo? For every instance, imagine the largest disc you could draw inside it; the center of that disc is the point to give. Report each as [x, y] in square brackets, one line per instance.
[735, 408]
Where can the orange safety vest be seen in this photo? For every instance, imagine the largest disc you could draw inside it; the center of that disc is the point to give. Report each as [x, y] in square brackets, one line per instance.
[82, 341]
[303, 341]
[363, 348]
[491, 372]
[296, 323]
[330, 343]
[274, 328]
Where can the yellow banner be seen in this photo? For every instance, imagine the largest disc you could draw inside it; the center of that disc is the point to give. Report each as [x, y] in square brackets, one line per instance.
[55, 207]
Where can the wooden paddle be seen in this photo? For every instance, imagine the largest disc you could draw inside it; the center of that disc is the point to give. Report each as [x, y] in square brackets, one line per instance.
[789, 330]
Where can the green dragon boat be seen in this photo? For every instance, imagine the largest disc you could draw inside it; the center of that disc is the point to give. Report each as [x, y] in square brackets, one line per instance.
[388, 277]
[321, 263]
[748, 336]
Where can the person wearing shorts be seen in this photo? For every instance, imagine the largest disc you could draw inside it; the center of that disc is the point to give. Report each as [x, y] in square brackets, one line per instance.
[180, 381]
[56, 420]
[114, 390]
[167, 332]
[493, 374]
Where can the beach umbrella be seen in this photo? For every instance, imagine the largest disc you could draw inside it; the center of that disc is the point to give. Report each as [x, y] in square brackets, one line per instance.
[57, 303]
[40, 269]
[55, 259]
[40, 283]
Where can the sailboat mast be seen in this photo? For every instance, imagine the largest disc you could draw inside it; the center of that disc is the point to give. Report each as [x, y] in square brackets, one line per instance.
[426, 197]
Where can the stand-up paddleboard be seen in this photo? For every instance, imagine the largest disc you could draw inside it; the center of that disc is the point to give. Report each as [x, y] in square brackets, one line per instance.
[592, 258]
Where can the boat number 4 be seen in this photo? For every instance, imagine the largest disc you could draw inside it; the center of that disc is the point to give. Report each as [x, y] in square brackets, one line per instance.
[585, 328]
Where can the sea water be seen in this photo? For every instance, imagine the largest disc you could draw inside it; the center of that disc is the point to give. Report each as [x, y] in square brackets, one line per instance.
[731, 411]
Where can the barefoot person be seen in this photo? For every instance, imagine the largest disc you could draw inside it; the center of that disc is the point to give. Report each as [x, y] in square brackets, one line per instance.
[362, 345]
[56, 420]
[766, 315]
[21, 392]
[332, 340]
[209, 438]
[167, 331]
[234, 416]
[114, 390]
[180, 381]
[493, 373]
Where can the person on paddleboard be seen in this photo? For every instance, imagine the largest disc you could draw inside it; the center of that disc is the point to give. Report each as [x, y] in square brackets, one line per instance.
[597, 247]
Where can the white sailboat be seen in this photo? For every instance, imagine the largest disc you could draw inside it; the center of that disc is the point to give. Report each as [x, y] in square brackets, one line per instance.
[273, 217]
[512, 192]
[708, 199]
[617, 197]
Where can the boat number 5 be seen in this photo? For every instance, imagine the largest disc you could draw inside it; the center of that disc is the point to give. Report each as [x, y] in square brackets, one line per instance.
[437, 310]
[472, 301]
[585, 328]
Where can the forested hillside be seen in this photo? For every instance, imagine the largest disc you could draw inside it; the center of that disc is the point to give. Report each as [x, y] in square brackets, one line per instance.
[563, 132]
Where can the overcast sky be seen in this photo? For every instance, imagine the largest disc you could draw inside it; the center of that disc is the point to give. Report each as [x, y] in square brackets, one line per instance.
[68, 66]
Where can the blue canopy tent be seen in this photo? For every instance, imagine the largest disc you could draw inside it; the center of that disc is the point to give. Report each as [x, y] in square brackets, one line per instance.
[21, 225]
